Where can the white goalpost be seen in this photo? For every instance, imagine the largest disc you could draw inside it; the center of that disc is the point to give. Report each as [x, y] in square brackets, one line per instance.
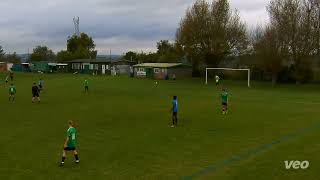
[229, 69]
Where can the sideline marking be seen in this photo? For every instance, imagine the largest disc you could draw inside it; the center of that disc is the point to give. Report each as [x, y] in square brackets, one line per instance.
[236, 158]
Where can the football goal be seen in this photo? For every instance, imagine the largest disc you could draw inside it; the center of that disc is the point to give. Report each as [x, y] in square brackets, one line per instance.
[228, 69]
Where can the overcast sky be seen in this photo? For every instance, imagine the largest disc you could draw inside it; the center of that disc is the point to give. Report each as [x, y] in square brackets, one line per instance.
[118, 24]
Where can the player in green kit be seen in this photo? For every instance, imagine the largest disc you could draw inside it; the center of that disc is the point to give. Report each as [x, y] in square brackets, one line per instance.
[12, 92]
[70, 143]
[86, 86]
[225, 101]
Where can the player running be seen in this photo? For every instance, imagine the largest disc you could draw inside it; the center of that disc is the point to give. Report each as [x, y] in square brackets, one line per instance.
[86, 86]
[174, 111]
[35, 93]
[217, 80]
[12, 92]
[225, 101]
[70, 143]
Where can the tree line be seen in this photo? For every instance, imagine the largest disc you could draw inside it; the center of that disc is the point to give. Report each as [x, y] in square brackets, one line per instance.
[78, 47]
[211, 34]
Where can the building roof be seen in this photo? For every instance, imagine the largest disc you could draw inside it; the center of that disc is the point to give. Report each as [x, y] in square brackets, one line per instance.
[158, 65]
[90, 61]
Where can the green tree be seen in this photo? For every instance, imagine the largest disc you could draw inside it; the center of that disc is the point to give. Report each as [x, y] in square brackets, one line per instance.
[168, 52]
[81, 47]
[13, 58]
[64, 56]
[42, 53]
[131, 56]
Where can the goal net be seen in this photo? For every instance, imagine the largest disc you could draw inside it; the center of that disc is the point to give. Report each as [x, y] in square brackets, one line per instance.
[228, 69]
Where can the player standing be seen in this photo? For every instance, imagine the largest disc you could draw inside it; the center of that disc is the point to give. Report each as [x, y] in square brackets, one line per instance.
[217, 80]
[12, 92]
[40, 84]
[86, 86]
[174, 111]
[225, 101]
[70, 143]
[35, 93]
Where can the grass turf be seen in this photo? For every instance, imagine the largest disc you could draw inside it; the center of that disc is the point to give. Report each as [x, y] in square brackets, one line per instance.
[123, 130]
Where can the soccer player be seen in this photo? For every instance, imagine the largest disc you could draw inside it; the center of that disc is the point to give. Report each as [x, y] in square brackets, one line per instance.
[35, 93]
[217, 80]
[7, 80]
[12, 92]
[174, 111]
[86, 86]
[40, 84]
[70, 143]
[225, 101]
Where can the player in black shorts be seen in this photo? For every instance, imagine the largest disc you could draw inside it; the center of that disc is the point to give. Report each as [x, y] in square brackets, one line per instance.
[35, 93]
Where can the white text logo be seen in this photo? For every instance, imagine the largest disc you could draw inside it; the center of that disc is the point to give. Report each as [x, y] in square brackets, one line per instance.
[296, 164]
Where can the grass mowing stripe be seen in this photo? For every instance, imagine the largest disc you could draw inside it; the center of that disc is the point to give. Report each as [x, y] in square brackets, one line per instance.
[251, 152]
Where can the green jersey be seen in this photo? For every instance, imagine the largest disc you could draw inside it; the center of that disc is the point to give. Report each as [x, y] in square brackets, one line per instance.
[224, 97]
[12, 90]
[71, 134]
[86, 83]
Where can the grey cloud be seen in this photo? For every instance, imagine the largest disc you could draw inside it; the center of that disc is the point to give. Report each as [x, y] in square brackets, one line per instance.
[119, 24]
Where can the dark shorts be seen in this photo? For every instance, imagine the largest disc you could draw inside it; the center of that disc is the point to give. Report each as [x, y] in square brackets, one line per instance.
[174, 113]
[224, 104]
[69, 148]
[35, 94]
[40, 86]
[86, 87]
[12, 94]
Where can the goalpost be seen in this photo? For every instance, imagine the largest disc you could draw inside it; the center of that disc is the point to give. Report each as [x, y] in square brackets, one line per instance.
[229, 69]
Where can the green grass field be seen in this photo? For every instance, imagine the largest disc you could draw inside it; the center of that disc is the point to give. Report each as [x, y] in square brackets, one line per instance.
[123, 130]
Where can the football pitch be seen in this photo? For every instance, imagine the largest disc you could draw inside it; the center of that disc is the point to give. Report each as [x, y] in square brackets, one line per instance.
[123, 130]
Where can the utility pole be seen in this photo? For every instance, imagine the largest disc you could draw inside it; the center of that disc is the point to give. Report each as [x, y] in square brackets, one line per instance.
[110, 55]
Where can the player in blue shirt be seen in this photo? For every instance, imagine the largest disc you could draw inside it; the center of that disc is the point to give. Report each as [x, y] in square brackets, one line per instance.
[40, 85]
[174, 111]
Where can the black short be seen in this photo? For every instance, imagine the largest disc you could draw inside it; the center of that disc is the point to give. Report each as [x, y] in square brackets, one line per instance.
[35, 94]
[40, 86]
[12, 94]
[224, 104]
[69, 148]
[174, 113]
[86, 87]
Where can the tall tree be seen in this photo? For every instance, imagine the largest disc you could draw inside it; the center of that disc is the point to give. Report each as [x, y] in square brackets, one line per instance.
[42, 53]
[296, 23]
[268, 51]
[82, 47]
[210, 32]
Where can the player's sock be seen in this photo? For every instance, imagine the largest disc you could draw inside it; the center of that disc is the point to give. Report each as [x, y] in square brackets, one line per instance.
[62, 160]
[77, 158]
